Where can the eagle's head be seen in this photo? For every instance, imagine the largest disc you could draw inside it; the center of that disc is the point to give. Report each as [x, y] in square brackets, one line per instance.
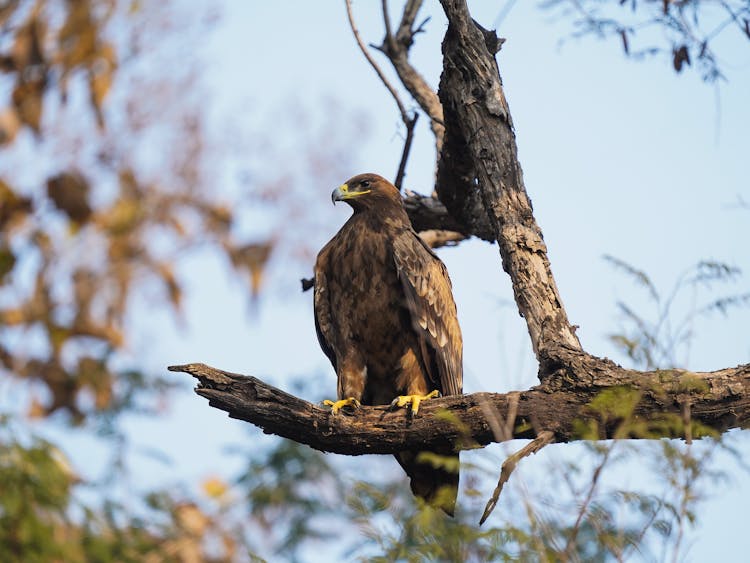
[367, 191]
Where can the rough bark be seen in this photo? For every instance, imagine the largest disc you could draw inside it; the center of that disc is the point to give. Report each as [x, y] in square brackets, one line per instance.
[562, 405]
[479, 175]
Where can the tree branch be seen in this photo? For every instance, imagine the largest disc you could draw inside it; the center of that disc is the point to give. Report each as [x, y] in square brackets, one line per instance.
[480, 179]
[509, 466]
[363, 48]
[719, 400]
[428, 213]
[412, 122]
[409, 121]
[396, 48]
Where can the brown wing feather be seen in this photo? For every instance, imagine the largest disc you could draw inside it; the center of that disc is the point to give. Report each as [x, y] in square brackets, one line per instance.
[322, 308]
[429, 298]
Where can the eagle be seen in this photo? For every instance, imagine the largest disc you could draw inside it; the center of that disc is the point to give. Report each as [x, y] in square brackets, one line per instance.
[386, 319]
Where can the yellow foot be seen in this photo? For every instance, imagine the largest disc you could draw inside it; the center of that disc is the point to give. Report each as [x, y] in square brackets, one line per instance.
[351, 402]
[403, 400]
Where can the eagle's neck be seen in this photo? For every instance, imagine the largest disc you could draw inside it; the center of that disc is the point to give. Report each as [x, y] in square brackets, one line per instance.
[382, 218]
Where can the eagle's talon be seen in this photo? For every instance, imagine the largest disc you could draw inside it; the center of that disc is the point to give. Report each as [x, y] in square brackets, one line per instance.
[413, 400]
[336, 406]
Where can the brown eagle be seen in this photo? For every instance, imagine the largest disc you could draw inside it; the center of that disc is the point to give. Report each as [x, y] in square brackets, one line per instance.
[385, 317]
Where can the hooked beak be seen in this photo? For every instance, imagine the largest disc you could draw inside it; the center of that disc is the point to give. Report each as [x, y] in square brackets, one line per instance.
[340, 194]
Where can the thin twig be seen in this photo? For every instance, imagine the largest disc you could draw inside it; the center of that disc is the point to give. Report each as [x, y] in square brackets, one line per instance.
[686, 422]
[410, 124]
[387, 22]
[405, 34]
[544, 438]
[510, 420]
[586, 502]
[373, 64]
[502, 427]
[493, 418]
[396, 48]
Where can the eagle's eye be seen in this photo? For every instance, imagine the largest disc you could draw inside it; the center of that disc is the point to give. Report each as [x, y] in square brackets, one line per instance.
[365, 183]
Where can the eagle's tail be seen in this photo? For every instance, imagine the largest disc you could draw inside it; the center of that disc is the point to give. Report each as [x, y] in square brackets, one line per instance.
[434, 477]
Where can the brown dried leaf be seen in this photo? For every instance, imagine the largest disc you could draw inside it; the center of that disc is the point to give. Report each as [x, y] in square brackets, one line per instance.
[6, 10]
[166, 273]
[58, 335]
[9, 125]
[101, 73]
[218, 218]
[122, 217]
[69, 192]
[84, 288]
[21, 50]
[28, 59]
[12, 206]
[7, 262]
[36, 409]
[191, 519]
[78, 36]
[253, 258]
[12, 317]
[93, 374]
[27, 99]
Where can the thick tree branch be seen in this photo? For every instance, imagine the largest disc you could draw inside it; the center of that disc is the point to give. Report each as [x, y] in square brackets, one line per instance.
[428, 213]
[479, 176]
[719, 400]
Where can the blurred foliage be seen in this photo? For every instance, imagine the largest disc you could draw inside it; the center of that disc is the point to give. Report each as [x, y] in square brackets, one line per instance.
[77, 230]
[100, 221]
[41, 519]
[685, 31]
[661, 339]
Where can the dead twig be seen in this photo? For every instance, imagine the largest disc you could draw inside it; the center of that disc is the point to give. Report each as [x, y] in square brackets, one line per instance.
[436, 238]
[396, 48]
[409, 120]
[407, 148]
[586, 502]
[362, 47]
[544, 438]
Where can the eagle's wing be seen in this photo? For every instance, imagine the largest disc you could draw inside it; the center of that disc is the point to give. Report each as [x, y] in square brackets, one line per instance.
[429, 299]
[322, 308]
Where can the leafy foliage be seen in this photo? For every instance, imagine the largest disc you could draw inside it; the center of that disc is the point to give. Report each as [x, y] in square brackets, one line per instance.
[74, 254]
[684, 31]
[42, 519]
[658, 341]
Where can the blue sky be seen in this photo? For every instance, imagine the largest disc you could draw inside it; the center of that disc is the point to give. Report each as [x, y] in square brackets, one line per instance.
[619, 157]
